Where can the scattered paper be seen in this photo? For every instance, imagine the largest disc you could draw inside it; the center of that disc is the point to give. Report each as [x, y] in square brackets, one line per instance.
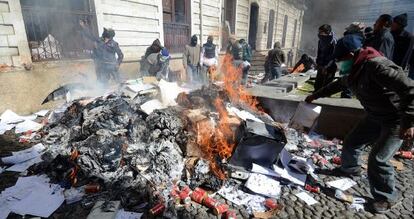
[263, 170]
[21, 167]
[73, 195]
[305, 116]
[149, 106]
[140, 87]
[122, 214]
[5, 127]
[263, 185]
[242, 114]
[253, 203]
[169, 92]
[32, 195]
[24, 155]
[9, 116]
[27, 125]
[42, 113]
[342, 184]
[30, 117]
[306, 198]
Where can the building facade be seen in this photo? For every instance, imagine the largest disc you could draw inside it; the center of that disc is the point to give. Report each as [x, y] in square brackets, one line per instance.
[45, 30]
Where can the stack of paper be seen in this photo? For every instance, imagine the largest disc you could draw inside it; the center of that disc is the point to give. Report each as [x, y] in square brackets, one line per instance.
[9, 120]
[22, 160]
[32, 195]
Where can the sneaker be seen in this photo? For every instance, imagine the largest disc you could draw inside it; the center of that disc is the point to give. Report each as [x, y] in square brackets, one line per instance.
[381, 207]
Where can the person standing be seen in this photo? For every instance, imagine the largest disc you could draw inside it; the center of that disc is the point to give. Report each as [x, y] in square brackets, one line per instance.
[387, 96]
[247, 58]
[191, 60]
[290, 58]
[325, 62]
[276, 57]
[107, 54]
[403, 42]
[208, 58]
[382, 41]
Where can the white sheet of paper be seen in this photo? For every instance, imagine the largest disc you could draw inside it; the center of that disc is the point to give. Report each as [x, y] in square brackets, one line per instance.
[240, 198]
[169, 92]
[242, 114]
[149, 106]
[29, 117]
[21, 157]
[306, 198]
[5, 127]
[342, 184]
[140, 87]
[31, 195]
[305, 115]
[263, 170]
[27, 125]
[122, 214]
[42, 113]
[9, 116]
[37, 147]
[263, 185]
[21, 167]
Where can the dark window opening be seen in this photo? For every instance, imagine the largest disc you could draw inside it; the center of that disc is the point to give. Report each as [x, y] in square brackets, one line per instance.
[254, 18]
[177, 27]
[228, 21]
[294, 33]
[53, 31]
[285, 24]
[271, 27]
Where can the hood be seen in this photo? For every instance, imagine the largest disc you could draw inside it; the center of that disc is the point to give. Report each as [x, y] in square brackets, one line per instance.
[366, 54]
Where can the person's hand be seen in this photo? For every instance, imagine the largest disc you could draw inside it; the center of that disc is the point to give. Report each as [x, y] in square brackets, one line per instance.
[407, 133]
[310, 99]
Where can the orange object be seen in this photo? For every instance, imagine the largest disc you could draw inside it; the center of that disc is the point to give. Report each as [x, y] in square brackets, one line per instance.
[231, 215]
[220, 209]
[197, 197]
[92, 188]
[157, 209]
[406, 154]
[313, 189]
[270, 203]
[337, 160]
[210, 202]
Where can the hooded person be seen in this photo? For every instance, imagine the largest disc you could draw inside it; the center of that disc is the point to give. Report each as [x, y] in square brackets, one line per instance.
[150, 60]
[107, 54]
[387, 96]
[208, 58]
[191, 60]
[276, 57]
[403, 42]
[154, 48]
[382, 40]
[325, 62]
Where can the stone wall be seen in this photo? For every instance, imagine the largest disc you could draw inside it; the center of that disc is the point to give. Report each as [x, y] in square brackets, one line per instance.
[137, 23]
[14, 49]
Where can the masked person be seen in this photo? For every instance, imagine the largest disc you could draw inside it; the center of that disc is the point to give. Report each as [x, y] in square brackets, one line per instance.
[403, 42]
[326, 66]
[191, 60]
[247, 58]
[159, 65]
[107, 54]
[382, 40]
[276, 57]
[208, 58]
[150, 57]
[387, 96]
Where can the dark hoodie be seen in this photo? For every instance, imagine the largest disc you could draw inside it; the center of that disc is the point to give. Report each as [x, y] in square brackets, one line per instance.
[154, 48]
[381, 86]
[326, 48]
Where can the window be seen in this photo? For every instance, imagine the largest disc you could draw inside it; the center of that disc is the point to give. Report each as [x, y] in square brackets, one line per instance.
[176, 14]
[53, 31]
[230, 14]
[294, 33]
[285, 23]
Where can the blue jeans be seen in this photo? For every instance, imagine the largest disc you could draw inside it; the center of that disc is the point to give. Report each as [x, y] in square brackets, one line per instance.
[192, 73]
[276, 72]
[384, 137]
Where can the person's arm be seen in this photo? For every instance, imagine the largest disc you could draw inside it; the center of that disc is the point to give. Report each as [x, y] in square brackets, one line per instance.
[119, 53]
[330, 89]
[87, 32]
[394, 79]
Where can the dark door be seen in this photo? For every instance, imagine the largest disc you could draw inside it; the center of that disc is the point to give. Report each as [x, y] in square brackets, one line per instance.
[177, 24]
[271, 26]
[254, 15]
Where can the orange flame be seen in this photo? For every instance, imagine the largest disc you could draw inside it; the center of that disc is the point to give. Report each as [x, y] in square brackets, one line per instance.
[218, 141]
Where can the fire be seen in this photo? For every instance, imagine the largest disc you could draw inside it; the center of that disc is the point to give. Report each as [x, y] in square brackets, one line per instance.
[217, 141]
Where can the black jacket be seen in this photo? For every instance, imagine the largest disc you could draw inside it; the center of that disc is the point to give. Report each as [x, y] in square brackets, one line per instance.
[403, 48]
[326, 48]
[382, 41]
[105, 51]
[276, 57]
[381, 86]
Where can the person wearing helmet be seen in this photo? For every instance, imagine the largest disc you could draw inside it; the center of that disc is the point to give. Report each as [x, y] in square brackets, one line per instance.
[107, 54]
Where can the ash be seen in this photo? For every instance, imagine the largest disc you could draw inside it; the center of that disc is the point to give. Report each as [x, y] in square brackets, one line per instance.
[119, 144]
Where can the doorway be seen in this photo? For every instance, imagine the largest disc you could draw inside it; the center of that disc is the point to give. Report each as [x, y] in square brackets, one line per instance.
[271, 26]
[254, 17]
